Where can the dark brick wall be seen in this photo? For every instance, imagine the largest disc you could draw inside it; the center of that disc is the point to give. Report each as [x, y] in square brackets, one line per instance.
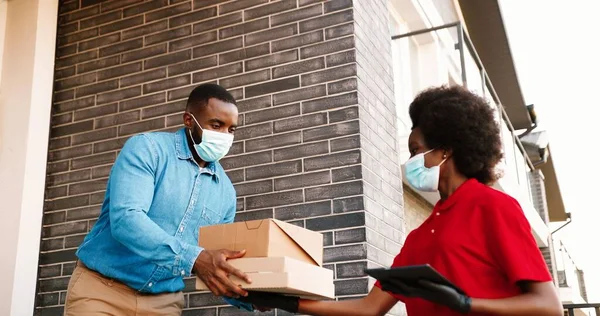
[317, 141]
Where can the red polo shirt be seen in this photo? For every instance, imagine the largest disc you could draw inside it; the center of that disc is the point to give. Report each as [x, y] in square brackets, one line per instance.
[480, 240]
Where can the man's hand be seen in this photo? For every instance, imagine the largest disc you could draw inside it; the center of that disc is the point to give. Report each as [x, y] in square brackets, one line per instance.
[433, 292]
[212, 268]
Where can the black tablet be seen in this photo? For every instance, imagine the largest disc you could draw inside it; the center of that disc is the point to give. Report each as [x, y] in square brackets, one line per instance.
[411, 274]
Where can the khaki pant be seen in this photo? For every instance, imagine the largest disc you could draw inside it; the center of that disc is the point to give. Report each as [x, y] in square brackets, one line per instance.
[90, 293]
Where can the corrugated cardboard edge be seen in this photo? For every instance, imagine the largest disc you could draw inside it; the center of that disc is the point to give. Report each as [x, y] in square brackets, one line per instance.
[289, 230]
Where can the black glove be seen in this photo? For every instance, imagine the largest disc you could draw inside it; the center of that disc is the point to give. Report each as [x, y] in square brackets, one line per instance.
[433, 292]
[271, 300]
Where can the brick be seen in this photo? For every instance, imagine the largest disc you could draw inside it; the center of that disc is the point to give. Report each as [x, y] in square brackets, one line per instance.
[305, 150]
[94, 135]
[76, 59]
[168, 35]
[244, 28]
[92, 161]
[175, 120]
[296, 15]
[69, 177]
[97, 198]
[351, 287]
[345, 253]
[74, 241]
[87, 3]
[341, 58]
[163, 109]
[253, 188]
[272, 113]
[166, 84]
[273, 170]
[327, 47]
[348, 204]
[168, 59]
[78, 15]
[117, 4]
[244, 53]
[273, 141]
[68, 268]
[336, 221]
[246, 160]
[339, 31]
[72, 128]
[271, 60]
[335, 5]
[236, 175]
[239, 5]
[77, 37]
[64, 229]
[167, 12]
[100, 19]
[347, 173]
[236, 93]
[265, 10]
[89, 212]
[326, 20]
[299, 94]
[330, 102]
[331, 131]
[87, 187]
[121, 47]
[345, 114]
[101, 172]
[303, 210]
[254, 215]
[181, 93]
[56, 217]
[345, 85]
[218, 47]
[64, 95]
[274, 199]
[62, 119]
[239, 205]
[332, 160]
[68, 7]
[52, 244]
[136, 103]
[272, 86]
[215, 73]
[109, 145]
[334, 190]
[350, 236]
[66, 50]
[303, 180]
[59, 143]
[329, 74]
[142, 126]
[119, 71]
[65, 72]
[345, 143]
[193, 41]
[300, 122]
[198, 4]
[254, 104]
[96, 111]
[69, 153]
[74, 82]
[307, 2]
[202, 311]
[98, 64]
[49, 271]
[218, 22]
[97, 88]
[123, 24]
[271, 34]
[299, 67]
[143, 77]
[245, 79]
[57, 167]
[298, 41]
[205, 299]
[191, 17]
[151, 5]
[58, 284]
[144, 53]
[52, 193]
[145, 29]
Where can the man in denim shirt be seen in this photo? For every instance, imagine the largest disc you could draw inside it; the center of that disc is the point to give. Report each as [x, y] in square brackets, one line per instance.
[162, 188]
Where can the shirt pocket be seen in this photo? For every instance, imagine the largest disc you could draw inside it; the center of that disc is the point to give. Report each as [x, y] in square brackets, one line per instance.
[210, 217]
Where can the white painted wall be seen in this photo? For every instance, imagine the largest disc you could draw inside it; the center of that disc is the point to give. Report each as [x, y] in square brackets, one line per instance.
[27, 46]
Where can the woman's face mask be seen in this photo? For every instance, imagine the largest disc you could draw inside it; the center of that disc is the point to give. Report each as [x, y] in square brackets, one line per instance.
[213, 146]
[420, 177]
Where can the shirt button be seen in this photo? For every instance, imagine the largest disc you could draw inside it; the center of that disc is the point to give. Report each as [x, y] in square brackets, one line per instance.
[438, 213]
[181, 229]
[433, 231]
[182, 272]
[150, 284]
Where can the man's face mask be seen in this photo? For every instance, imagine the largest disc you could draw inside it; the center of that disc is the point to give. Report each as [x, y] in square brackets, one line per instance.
[213, 146]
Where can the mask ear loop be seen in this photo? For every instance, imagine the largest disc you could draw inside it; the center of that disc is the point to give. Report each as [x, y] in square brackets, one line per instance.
[445, 158]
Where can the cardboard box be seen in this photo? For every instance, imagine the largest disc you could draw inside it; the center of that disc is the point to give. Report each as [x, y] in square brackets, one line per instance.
[283, 275]
[265, 238]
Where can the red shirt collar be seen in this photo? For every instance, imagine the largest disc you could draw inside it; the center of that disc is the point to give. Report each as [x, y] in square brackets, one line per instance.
[458, 194]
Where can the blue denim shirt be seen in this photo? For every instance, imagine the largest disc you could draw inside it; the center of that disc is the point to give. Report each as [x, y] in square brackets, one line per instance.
[156, 200]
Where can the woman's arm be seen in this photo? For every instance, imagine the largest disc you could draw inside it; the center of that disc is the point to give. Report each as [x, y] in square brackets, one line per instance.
[539, 298]
[377, 302]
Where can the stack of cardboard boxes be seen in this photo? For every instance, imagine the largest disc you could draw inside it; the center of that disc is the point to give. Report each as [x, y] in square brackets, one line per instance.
[280, 257]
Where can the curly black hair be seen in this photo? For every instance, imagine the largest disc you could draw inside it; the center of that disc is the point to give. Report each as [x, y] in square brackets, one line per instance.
[453, 118]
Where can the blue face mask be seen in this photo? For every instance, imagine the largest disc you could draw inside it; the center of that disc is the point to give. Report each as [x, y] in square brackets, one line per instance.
[214, 145]
[420, 177]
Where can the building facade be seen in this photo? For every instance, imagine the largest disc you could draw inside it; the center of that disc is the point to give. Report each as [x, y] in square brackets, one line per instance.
[323, 94]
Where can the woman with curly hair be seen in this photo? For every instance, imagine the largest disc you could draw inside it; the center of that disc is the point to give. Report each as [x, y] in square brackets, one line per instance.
[476, 236]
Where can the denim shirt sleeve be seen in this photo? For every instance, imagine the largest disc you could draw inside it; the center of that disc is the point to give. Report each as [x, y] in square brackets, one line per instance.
[131, 194]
